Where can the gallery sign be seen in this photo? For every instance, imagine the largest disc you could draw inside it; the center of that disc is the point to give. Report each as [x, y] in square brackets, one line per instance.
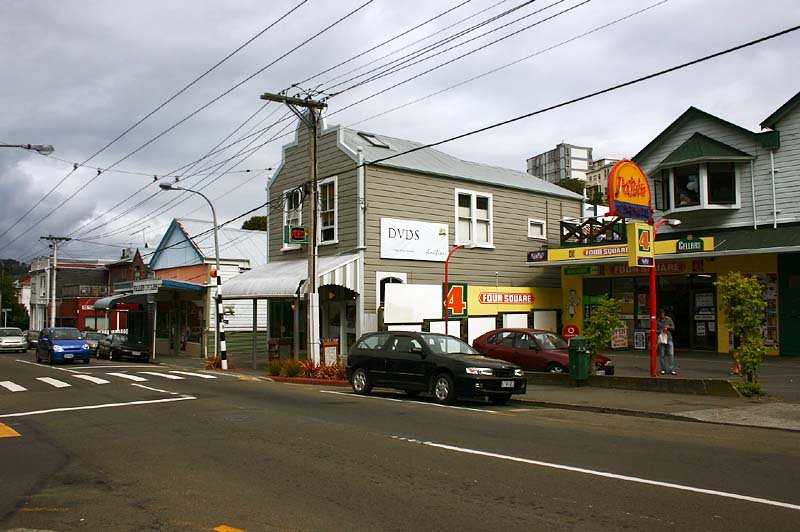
[689, 245]
[146, 286]
[412, 240]
[629, 191]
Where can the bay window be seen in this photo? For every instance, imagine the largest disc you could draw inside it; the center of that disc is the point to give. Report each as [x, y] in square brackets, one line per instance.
[705, 185]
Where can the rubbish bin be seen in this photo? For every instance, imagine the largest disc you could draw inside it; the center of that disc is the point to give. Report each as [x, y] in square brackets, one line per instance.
[579, 359]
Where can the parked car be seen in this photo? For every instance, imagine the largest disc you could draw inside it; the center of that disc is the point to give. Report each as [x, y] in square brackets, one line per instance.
[32, 337]
[118, 346]
[439, 364]
[93, 338]
[62, 344]
[110, 346]
[13, 339]
[533, 350]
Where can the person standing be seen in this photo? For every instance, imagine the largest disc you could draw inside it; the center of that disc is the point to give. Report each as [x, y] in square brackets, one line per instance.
[666, 348]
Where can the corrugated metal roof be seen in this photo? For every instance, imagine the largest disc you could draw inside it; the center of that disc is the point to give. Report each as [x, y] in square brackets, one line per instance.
[281, 278]
[234, 243]
[432, 161]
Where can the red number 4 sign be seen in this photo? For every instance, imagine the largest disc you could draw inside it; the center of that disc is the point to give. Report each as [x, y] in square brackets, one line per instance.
[456, 300]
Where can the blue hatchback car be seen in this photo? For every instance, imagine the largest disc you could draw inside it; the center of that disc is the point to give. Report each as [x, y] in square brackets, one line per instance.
[62, 344]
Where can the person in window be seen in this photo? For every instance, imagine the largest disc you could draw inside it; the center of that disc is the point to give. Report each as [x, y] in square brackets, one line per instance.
[689, 195]
[666, 349]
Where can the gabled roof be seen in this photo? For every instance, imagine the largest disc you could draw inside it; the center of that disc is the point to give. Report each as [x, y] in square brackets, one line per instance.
[698, 148]
[233, 243]
[689, 114]
[432, 161]
[782, 111]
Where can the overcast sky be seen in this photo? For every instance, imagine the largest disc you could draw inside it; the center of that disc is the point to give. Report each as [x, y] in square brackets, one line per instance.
[77, 74]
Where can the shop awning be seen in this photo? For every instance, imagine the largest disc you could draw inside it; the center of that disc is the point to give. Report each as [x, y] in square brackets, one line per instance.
[282, 278]
[107, 303]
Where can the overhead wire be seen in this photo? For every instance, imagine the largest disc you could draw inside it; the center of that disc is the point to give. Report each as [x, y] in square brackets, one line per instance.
[151, 113]
[205, 106]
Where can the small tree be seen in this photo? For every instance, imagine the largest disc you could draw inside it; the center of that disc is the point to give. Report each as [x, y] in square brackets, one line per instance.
[572, 183]
[741, 299]
[602, 323]
[256, 223]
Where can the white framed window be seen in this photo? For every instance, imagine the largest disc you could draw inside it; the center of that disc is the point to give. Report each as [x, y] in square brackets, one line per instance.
[709, 185]
[537, 229]
[327, 201]
[292, 213]
[473, 218]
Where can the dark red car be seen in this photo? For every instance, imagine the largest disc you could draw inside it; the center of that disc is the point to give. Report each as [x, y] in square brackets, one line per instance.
[533, 350]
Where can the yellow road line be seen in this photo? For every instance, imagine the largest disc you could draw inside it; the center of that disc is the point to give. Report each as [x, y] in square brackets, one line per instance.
[7, 432]
[225, 528]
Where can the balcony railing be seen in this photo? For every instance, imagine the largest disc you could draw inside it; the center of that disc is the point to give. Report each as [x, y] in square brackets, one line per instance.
[591, 231]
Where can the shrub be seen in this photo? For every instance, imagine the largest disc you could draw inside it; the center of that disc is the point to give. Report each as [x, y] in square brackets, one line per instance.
[291, 368]
[741, 299]
[309, 368]
[749, 389]
[601, 324]
[274, 366]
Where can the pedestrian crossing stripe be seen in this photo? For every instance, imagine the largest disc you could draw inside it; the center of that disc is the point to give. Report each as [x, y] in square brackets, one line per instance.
[53, 382]
[164, 375]
[7, 432]
[90, 378]
[201, 375]
[12, 387]
[128, 376]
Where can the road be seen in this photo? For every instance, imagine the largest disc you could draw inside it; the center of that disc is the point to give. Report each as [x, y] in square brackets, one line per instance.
[228, 453]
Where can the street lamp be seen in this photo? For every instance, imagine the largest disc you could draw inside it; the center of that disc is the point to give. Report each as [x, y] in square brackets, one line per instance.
[653, 344]
[220, 346]
[446, 284]
[44, 149]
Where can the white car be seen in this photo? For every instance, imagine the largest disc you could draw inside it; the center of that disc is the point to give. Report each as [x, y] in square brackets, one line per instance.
[12, 339]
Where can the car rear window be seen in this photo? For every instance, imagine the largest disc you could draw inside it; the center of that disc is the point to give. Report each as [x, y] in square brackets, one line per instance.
[94, 336]
[9, 331]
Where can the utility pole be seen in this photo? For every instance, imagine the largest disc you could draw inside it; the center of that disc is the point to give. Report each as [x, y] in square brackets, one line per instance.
[54, 243]
[311, 120]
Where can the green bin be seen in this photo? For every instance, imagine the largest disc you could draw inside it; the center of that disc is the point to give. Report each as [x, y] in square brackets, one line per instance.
[579, 359]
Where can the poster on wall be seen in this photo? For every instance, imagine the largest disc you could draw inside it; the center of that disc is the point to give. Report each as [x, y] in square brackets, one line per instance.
[640, 339]
[413, 240]
[701, 329]
[620, 339]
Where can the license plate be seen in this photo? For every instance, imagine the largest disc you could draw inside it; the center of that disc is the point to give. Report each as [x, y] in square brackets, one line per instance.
[599, 372]
[137, 353]
[67, 355]
[507, 384]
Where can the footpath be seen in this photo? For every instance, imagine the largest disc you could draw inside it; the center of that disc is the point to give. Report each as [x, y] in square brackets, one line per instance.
[702, 391]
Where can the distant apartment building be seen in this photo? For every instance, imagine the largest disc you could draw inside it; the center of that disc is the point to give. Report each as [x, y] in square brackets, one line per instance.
[562, 162]
[597, 177]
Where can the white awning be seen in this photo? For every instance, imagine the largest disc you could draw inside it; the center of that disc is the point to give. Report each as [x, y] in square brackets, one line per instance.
[282, 278]
[107, 303]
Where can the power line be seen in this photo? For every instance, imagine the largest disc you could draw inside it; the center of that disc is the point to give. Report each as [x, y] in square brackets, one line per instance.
[151, 113]
[492, 71]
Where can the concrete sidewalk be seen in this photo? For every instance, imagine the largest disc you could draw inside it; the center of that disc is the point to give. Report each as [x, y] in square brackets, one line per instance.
[773, 412]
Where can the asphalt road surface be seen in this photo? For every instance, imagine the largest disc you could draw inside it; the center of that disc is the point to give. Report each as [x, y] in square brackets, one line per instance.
[142, 447]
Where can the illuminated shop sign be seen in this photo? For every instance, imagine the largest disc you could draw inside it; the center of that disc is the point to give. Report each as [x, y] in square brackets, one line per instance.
[629, 191]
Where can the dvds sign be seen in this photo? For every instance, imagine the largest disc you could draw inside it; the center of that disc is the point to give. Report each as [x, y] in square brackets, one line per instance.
[629, 191]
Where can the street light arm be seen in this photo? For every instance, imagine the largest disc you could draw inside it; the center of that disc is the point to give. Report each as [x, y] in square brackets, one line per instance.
[44, 149]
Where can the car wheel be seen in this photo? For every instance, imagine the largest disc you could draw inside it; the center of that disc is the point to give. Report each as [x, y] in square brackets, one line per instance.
[361, 383]
[50, 358]
[412, 393]
[444, 389]
[38, 358]
[85, 360]
[500, 399]
[555, 368]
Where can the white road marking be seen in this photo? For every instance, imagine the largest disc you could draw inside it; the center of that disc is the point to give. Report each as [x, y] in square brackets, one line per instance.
[96, 380]
[47, 366]
[53, 382]
[10, 386]
[128, 376]
[154, 389]
[164, 375]
[201, 375]
[604, 474]
[410, 401]
[95, 407]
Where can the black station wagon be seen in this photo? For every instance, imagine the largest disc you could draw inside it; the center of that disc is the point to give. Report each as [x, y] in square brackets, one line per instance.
[426, 362]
